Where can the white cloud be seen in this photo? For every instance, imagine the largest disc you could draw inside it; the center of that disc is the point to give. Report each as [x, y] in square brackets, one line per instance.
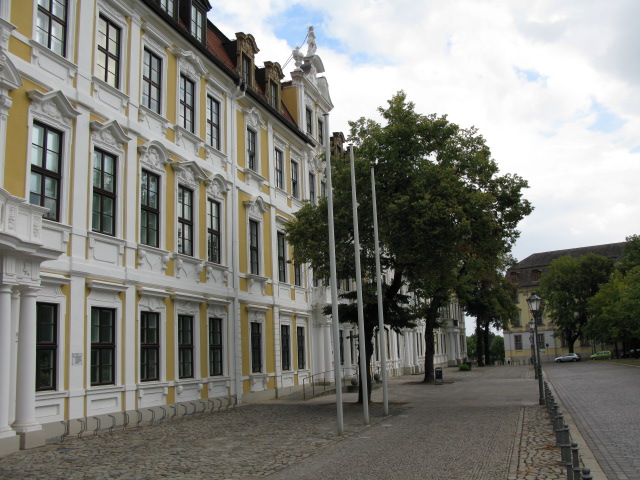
[545, 81]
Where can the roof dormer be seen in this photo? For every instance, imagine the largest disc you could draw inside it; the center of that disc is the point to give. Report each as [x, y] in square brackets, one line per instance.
[246, 50]
[272, 77]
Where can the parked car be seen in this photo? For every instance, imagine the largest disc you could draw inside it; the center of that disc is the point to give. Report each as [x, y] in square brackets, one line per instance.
[633, 353]
[568, 357]
[603, 355]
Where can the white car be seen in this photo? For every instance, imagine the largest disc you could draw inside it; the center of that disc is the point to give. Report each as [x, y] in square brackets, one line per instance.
[568, 357]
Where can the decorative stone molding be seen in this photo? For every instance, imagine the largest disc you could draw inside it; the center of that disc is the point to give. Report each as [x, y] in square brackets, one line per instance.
[256, 207]
[154, 259]
[153, 121]
[190, 64]
[109, 136]
[9, 76]
[257, 280]
[52, 107]
[188, 141]
[189, 174]
[253, 176]
[253, 118]
[154, 156]
[153, 37]
[217, 187]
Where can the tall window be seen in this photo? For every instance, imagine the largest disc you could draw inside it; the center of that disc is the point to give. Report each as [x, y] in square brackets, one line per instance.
[213, 231]
[309, 120]
[302, 356]
[108, 56]
[312, 188]
[295, 186]
[254, 247]
[246, 69]
[103, 346]
[149, 208]
[518, 342]
[256, 347]
[273, 94]
[185, 221]
[282, 258]
[321, 131]
[540, 339]
[215, 347]
[149, 346]
[51, 25]
[104, 193]
[185, 346]
[213, 122]
[297, 274]
[518, 320]
[187, 103]
[251, 149]
[151, 81]
[46, 157]
[279, 168]
[46, 346]
[285, 343]
[197, 23]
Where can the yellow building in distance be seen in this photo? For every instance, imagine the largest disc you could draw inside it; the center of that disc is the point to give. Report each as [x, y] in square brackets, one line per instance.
[148, 167]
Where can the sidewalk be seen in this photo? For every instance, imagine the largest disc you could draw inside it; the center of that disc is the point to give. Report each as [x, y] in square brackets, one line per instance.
[483, 424]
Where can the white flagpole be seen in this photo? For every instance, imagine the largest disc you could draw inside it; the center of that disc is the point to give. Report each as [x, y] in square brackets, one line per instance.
[362, 348]
[383, 338]
[334, 282]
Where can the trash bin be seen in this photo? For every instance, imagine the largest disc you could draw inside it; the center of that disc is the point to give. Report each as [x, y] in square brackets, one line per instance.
[439, 375]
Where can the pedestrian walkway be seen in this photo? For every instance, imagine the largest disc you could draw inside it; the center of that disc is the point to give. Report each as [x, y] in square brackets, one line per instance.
[483, 424]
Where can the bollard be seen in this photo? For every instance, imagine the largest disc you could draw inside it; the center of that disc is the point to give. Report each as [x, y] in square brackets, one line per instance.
[575, 462]
[586, 474]
[565, 452]
[558, 428]
[569, 467]
[554, 413]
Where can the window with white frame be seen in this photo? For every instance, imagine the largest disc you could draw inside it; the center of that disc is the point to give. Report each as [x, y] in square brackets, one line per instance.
[282, 257]
[517, 339]
[51, 25]
[297, 274]
[168, 6]
[216, 347]
[187, 104]
[197, 23]
[108, 56]
[103, 346]
[285, 347]
[309, 121]
[152, 81]
[46, 168]
[104, 192]
[149, 208]
[302, 348]
[254, 247]
[213, 231]
[213, 122]
[295, 180]
[256, 347]
[312, 188]
[185, 346]
[149, 346]
[185, 221]
[279, 160]
[251, 150]
[46, 346]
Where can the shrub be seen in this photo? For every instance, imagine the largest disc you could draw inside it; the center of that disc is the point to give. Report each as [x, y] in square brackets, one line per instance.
[465, 367]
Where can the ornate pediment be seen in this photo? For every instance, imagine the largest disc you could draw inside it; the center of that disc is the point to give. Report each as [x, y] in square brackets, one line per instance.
[53, 106]
[256, 207]
[253, 117]
[189, 173]
[190, 64]
[154, 156]
[108, 135]
[9, 76]
[217, 187]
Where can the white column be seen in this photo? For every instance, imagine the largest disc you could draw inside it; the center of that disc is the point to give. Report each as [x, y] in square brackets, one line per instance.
[26, 391]
[5, 360]
[326, 332]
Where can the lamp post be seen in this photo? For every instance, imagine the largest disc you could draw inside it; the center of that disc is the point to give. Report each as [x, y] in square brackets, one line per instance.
[535, 302]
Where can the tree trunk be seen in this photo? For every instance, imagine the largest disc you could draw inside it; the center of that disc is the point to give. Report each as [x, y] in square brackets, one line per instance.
[485, 339]
[368, 335]
[479, 343]
[429, 351]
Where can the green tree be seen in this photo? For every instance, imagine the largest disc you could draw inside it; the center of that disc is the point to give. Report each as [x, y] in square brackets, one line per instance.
[566, 288]
[440, 203]
[497, 349]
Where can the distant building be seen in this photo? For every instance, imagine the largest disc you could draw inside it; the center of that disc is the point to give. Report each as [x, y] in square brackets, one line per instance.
[526, 276]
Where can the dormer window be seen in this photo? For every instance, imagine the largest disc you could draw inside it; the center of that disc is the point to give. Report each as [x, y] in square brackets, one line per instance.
[168, 6]
[535, 275]
[273, 94]
[246, 69]
[197, 23]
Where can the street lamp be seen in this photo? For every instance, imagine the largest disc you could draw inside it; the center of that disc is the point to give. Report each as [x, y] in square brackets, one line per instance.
[535, 302]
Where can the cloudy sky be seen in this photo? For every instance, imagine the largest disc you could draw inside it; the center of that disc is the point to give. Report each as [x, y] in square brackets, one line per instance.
[553, 86]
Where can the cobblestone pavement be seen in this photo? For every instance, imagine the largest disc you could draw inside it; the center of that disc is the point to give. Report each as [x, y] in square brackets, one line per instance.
[603, 399]
[469, 428]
